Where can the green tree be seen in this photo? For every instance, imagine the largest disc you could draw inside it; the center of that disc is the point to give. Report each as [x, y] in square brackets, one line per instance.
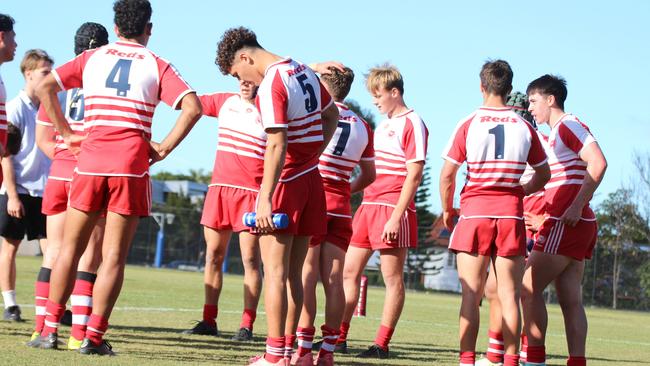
[621, 229]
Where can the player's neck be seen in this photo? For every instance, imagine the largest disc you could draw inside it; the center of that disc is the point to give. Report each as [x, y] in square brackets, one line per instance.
[554, 118]
[493, 101]
[141, 40]
[31, 93]
[267, 59]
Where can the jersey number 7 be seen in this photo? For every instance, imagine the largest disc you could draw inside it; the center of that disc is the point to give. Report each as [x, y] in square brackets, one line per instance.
[118, 78]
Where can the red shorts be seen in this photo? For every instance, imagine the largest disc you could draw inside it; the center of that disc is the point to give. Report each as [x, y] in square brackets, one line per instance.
[225, 207]
[576, 242]
[303, 200]
[368, 224]
[483, 235]
[339, 232]
[123, 195]
[55, 197]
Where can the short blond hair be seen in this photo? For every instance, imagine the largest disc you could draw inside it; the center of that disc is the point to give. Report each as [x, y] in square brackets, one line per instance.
[385, 76]
[32, 58]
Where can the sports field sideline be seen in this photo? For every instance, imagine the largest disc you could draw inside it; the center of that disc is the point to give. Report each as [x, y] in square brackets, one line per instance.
[156, 305]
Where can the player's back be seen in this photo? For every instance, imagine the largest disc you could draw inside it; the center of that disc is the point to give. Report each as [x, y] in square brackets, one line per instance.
[351, 142]
[123, 82]
[496, 143]
[292, 97]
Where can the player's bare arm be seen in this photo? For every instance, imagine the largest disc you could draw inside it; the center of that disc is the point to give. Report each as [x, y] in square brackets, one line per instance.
[330, 118]
[447, 188]
[367, 175]
[533, 222]
[14, 205]
[538, 180]
[411, 183]
[191, 111]
[45, 140]
[276, 150]
[596, 166]
[46, 92]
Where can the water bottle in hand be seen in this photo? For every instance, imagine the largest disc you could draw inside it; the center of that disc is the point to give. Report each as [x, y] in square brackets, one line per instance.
[280, 220]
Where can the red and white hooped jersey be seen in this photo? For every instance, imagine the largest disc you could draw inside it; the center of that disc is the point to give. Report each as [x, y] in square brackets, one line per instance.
[497, 144]
[123, 83]
[351, 143]
[565, 142]
[3, 115]
[398, 140]
[291, 97]
[72, 105]
[534, 203]
[239, 162]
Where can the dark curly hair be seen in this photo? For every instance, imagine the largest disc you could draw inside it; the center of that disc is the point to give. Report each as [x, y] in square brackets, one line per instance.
[90, 35]
[131, 17]
[519, 103]
[496, 77]
[550, 85]
[338, 83]
[6, 23]
[233, 40]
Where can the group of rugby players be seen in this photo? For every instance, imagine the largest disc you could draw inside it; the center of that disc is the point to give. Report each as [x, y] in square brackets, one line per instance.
[288, 144]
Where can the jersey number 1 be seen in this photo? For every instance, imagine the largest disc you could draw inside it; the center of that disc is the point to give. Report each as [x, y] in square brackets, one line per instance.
[119, 77]
[499, 141]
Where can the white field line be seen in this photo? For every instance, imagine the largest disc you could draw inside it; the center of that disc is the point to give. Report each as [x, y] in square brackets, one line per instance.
[321, 315]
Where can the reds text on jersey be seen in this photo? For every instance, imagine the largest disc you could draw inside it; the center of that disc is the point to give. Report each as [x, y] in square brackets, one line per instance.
[291, 97]
[123, 83]
[497, 144]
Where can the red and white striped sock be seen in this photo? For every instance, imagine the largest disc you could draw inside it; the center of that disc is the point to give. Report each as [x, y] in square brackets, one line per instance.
[248, 318]
[343, 332]
[511, 360]
[495, 348]
[289, 340]
[524, 348]
[210, 313]
[467, 358]
[305, 340]
[96, 328]
[82, 303]
[274, 349]
[384, 334]
[330, 335]
[535, 355]
[41, 293]
[576, 361]
[53, 314]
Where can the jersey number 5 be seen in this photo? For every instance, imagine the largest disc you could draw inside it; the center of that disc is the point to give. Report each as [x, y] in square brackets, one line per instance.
[499, 141]
[119, 77]
[310, 103]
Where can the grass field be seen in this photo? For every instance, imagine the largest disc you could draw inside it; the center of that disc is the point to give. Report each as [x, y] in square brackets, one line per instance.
[156, 305]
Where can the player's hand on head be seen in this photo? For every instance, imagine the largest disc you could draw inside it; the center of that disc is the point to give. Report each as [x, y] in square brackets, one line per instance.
[449, 218]
[324, 67]
[15, 207]
[571, 215]
[264, 216]
[391, 230]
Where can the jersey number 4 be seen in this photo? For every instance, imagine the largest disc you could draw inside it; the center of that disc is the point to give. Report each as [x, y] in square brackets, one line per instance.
[311, 103]
[119, 77]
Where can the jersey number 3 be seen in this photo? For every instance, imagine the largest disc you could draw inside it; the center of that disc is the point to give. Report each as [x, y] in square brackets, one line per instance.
[119, 77]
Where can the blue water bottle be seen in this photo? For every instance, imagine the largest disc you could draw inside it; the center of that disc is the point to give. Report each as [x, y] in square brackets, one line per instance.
[280, 220]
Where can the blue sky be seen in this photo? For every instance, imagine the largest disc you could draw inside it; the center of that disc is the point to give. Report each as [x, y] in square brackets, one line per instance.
[439, 47]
